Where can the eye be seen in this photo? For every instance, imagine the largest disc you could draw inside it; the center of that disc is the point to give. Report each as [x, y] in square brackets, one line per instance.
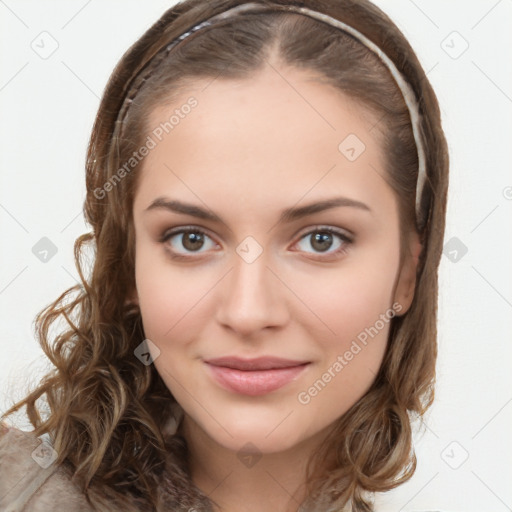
[190, 238]
[323, 238]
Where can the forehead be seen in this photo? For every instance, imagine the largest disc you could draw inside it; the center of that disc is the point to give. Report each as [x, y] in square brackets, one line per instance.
[278, 134]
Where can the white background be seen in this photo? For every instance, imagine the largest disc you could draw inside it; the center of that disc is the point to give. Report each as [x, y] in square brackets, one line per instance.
[47, 110]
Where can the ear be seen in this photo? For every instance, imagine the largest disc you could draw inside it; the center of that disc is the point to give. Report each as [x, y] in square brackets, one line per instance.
[132, 297]
[406, 279]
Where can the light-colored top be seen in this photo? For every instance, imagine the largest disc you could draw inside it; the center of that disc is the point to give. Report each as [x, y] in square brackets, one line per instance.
[30, 481]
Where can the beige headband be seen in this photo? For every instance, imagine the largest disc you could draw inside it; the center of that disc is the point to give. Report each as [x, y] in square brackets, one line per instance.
[251, 7]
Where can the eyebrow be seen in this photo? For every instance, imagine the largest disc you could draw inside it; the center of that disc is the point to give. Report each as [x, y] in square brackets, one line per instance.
[287, 215]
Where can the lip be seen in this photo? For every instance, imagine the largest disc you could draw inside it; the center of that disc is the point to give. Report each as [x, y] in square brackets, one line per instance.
[258, 363]
[254, 377]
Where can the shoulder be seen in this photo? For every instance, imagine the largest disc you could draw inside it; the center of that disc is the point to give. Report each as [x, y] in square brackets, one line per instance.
[29, 478]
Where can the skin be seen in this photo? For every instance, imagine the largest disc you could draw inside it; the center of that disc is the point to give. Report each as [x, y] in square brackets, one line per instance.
[250, 149]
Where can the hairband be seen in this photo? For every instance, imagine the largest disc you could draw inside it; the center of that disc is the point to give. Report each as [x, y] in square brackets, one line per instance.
[251, 7]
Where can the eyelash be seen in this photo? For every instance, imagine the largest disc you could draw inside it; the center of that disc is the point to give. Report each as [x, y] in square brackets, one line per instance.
[347, 241]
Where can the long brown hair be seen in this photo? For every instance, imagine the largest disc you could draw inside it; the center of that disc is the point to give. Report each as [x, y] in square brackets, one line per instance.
[106, 410]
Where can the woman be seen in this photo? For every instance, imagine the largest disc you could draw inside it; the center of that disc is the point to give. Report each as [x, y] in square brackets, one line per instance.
[266, 187]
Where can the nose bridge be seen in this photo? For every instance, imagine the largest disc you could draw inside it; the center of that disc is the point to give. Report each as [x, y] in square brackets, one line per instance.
[253, 298]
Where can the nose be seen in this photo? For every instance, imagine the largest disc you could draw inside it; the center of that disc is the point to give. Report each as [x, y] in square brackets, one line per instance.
[253, 298]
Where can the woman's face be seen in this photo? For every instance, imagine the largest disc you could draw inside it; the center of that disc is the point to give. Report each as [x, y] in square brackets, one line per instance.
[259, 274]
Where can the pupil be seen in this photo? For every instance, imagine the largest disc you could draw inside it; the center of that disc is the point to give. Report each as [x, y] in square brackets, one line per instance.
[193, 241]
[322, 241]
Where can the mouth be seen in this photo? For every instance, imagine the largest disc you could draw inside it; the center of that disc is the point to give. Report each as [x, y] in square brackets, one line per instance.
[254, 377]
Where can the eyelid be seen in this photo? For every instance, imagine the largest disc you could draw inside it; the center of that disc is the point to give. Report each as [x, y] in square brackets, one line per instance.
[347, 240]
[319, 227]
[183, 229]
[346, 235]
[304, 231]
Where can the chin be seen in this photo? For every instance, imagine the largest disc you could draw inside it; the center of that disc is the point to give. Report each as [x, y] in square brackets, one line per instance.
[266, 436]
[254, 440]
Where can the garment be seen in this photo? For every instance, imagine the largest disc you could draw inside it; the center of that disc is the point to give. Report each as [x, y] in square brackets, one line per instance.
[26, 485]
[31, 482]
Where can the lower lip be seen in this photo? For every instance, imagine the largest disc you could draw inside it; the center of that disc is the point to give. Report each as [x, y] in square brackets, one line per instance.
[255, 382]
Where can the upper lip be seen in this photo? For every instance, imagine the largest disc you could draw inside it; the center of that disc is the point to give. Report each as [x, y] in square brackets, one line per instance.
[259, 363]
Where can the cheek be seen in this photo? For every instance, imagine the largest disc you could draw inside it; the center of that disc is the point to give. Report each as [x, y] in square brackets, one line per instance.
[350, 353]
[350, 327]
[170, 296]
[343, 302]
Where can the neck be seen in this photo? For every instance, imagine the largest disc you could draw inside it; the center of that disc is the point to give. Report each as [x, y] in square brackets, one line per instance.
[247, 481]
